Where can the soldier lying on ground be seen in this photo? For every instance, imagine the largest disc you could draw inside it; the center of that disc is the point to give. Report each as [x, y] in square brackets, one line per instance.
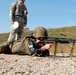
[30, 45]
[40, 33]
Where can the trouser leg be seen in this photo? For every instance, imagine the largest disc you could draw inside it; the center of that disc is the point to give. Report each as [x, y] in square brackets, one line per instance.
[20, 30]
[12, 35]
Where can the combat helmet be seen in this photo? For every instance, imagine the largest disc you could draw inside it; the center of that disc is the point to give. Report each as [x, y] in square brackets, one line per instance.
[40, 32]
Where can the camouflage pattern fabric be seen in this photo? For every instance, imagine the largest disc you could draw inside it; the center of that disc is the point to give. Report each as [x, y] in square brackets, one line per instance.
[40, 32]
[18, 12]
[18, 9]
[4, 48]
[18, 47]
[21, 47]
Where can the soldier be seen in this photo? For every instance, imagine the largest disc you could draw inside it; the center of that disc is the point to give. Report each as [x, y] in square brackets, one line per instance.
[40, 33]
[30, 45]
[18, 18]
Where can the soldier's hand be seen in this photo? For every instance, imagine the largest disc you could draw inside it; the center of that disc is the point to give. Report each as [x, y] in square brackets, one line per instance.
[12, 22]
[46, 47]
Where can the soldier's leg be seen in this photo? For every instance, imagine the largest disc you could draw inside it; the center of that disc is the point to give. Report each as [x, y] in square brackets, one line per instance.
[12, 35]
[5, 49]
[20, 30]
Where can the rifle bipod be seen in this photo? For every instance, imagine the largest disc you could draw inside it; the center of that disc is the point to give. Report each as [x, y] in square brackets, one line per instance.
[71, 52]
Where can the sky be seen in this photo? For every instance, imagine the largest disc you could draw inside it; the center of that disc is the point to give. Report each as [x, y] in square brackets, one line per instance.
[45, 13]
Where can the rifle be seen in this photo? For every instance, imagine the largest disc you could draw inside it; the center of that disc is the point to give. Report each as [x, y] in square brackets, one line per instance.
[57, 40]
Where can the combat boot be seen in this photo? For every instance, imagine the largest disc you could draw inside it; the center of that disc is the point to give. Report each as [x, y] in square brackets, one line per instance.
[0, 49]
[4, 48]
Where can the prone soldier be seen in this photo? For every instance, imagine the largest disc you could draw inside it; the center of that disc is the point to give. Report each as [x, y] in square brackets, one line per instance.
[30, 44]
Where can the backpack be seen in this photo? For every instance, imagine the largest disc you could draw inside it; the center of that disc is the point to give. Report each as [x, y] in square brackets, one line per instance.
[24, 46]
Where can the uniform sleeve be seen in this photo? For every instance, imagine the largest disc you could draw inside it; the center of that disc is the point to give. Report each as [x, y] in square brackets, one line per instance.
[25, 11]
[25, 14]
[12, 12]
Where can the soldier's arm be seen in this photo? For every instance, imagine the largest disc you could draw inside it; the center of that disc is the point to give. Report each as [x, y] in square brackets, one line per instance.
[25, 10]
[12, 12]
[46, 47]
[25, 15]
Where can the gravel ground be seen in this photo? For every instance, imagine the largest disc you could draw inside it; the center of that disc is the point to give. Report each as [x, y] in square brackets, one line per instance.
[27, 65]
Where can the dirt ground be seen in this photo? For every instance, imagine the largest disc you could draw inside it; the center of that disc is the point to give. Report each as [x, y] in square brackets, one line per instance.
[28, 65]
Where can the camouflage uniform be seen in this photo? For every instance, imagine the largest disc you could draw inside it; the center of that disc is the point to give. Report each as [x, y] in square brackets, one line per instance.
[40, 32]
[18, 12]
[5, 49]
[17, 47]
[28, 45]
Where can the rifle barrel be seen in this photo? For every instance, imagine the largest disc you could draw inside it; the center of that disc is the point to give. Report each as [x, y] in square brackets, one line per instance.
[58, 40]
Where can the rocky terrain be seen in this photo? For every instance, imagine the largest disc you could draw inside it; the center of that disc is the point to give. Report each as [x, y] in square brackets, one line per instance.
[28, 65]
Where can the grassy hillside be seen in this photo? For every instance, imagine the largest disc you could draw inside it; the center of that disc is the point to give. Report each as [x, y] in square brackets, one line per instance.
[70, 32]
